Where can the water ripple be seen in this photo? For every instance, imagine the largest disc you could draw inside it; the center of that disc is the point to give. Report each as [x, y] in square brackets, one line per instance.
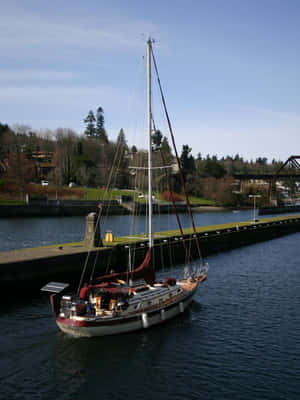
[239, 340]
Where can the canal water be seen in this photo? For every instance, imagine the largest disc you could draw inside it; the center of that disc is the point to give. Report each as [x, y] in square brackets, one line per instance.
[18, 233]
[240, 339]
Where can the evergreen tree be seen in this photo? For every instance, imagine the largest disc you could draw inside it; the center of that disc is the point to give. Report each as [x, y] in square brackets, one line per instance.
[100, 130]
[4, 133]
[156, 139]
[122, 148]
[213, 168]
[187, 160]
[134, 150]
[121, 140]
[166, 150]
[81, 166]
[262, 160]
[4, 128]
[90, 130]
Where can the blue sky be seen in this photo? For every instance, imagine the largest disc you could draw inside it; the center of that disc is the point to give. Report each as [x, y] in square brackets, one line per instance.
[230, 70]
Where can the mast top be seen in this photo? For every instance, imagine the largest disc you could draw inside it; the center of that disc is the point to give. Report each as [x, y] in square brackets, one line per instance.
[150, 40]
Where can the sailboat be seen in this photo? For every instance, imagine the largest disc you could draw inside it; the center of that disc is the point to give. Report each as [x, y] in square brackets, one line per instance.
[128, 301]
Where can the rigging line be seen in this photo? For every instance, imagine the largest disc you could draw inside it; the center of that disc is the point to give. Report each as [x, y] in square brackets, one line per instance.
[99, 216]
[87, 257]
[158, 205]
[187, 252]
[97, 224]
[177, 159]
[112, 178]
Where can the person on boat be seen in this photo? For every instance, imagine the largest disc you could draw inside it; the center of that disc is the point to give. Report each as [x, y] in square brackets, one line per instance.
[84, 293]
[84, 297]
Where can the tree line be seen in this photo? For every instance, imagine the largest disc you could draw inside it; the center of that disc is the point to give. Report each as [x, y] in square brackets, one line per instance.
[88, 159]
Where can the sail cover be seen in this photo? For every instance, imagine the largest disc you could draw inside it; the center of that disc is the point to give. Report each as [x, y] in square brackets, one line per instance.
[144, 271]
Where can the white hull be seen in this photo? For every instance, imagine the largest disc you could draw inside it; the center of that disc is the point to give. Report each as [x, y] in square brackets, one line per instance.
[90, 327]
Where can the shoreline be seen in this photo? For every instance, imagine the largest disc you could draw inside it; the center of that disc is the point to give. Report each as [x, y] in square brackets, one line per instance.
[72, 208]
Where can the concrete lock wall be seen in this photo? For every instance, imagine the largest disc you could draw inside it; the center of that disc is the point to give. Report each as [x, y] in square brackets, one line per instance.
[61, 208]
[66, 264]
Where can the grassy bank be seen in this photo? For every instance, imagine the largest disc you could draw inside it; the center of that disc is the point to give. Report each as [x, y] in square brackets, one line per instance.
[10, 194]
[123, 240]
[9, 202]
[189, 231]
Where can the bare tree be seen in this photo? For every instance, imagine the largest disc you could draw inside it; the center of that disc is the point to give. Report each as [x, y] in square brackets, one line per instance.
[66, 140]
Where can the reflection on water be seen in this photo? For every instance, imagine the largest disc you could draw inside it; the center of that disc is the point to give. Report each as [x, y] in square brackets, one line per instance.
[114, 365]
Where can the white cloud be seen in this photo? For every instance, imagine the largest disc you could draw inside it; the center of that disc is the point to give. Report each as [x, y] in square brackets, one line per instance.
[24, 30]
[66, 106]
[272, 114]
[63, 95]
[22, 75]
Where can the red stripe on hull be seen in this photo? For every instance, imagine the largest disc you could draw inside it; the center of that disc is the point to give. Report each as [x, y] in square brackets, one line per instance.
[121, 320]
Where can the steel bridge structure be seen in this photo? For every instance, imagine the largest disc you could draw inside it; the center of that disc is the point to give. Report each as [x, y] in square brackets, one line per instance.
[290, 169]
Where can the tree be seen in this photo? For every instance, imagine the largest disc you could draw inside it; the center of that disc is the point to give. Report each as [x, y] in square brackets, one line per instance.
[7, 137]
[156, 139]
[65, 143]
[90, 130]
[166, 150]
[81, 166]
[262, 160]
[212, 167]
[121, 140]
[20, 170]
[223, 192]
[21, 129]
[134, 150]
[102, 155]
[187, 160]
[79, 149]
[100, 130]
[4, 128]
[122, 179]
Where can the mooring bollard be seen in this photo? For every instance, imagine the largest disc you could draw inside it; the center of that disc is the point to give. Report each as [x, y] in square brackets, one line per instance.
[92, 231]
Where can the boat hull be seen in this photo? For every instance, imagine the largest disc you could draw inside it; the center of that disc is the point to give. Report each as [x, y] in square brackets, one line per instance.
[113, 326]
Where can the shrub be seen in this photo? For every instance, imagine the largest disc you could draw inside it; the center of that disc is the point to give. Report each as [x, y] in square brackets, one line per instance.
[167, 196]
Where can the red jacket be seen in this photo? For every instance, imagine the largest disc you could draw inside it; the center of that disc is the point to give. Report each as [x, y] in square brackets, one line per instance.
[84, 293]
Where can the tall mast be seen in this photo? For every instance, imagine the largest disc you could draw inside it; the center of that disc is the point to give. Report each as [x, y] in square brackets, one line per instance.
[149, 46]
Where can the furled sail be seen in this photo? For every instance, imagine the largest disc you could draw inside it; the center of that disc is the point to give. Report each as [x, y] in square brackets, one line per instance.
[144, 271]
